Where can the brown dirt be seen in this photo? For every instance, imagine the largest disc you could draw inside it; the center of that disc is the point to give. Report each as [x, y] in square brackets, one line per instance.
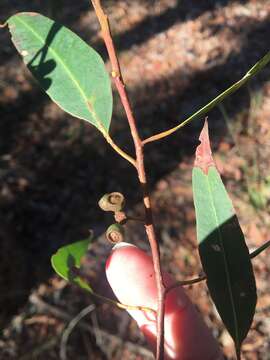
[175, 55]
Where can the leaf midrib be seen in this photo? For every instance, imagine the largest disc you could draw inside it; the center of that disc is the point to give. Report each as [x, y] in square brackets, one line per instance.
[70, 74]
[225, 263]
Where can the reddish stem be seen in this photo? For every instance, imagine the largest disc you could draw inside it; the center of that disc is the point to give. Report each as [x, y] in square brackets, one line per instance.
[149, 223]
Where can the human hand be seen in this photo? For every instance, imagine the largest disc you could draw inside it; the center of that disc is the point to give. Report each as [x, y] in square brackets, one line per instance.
[131, 276]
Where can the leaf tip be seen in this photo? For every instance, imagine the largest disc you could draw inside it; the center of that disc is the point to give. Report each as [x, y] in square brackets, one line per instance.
[203, 157]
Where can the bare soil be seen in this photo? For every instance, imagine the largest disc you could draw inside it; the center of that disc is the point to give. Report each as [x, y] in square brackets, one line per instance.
[176, 56]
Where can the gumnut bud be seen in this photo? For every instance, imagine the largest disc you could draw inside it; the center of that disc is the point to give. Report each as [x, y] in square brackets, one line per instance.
[114, 202]
[115, 233]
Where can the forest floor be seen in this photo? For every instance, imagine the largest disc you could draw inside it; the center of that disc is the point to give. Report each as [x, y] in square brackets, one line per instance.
[175, 56]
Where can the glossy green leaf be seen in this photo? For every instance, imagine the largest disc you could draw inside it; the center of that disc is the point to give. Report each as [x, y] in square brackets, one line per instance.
[71, 72]
[223, 251]
[68, 258]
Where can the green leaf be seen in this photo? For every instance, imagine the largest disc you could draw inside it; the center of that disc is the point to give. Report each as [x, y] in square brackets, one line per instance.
[71, 72]
[223, 251]
[68, 258]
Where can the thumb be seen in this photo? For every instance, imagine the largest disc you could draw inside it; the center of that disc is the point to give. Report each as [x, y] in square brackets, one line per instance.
[130, 274]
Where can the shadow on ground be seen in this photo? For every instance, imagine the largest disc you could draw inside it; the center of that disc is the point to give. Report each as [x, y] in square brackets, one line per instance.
[53, 172]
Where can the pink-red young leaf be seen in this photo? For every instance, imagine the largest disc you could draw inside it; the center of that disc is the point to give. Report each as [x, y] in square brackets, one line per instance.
[204, 158]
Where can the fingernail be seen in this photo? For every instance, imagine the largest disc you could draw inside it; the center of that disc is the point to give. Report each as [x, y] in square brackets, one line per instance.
[122, 244]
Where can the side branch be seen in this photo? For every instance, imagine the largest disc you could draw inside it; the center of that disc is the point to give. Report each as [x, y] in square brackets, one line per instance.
[198, 279]
[259, 250]
[84, 277]
[218, 99]
[124, 306]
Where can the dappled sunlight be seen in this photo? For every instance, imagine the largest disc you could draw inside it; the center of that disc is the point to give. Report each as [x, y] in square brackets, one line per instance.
[175, 57]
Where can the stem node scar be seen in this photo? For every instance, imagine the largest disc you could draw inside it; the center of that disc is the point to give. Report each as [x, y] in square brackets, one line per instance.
[115, 74]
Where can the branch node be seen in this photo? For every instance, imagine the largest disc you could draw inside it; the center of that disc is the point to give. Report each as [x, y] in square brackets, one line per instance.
[115, 74]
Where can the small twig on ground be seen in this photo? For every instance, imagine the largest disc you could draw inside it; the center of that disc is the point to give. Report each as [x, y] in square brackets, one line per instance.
[96, 328]
[43, 307]
[87, 345]
[33, 354]
[70, 327]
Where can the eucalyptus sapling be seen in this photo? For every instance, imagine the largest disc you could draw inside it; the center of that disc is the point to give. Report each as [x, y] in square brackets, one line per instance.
[78, 82]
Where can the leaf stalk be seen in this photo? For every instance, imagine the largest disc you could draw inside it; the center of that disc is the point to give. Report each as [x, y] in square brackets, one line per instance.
[217, 100]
